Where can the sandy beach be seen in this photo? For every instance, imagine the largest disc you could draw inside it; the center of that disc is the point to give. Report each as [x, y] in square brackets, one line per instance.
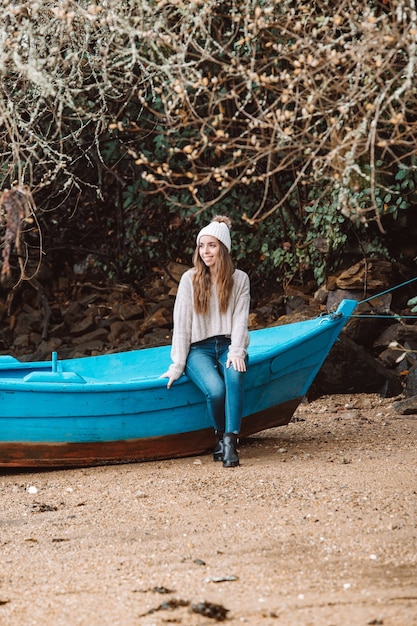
[317, 527]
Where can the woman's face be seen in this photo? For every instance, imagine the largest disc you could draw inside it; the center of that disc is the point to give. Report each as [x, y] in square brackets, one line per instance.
[209, 250]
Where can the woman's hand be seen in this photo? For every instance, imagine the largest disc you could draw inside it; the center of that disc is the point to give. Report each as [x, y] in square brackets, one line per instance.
[238, 363]
[170, 381]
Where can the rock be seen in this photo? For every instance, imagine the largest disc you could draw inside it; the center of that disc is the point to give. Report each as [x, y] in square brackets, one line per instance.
[267, 310]
[23, 341]
[88, 348]
[387, 336]
[161, 318]
[335, 297]
[6, 339]
[349, 368]
[74, 311]
[216, 612]
[84, 325]
[59, 330]
[176, 270]
[400, 333]
[407, 333]
[371, 275]
[158, 337]
[321, 294]
[26, 322]
[294, 303]
[44, 350]
[128, 310]
[157, 288]
[399, 342]
[378, 304]
[407, 406]
[256, 320]
[302, 312]
[98, 333]
[391, 358]
[411, 384]
[120, 331]
[365, 330]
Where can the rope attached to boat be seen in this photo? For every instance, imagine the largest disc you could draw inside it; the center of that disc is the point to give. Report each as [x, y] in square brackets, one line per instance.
[392, 315]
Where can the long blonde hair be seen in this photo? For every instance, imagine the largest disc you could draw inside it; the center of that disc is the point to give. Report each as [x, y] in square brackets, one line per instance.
[224, 277]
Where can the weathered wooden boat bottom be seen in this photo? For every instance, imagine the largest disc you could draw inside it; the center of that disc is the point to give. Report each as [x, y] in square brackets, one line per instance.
[66, 455]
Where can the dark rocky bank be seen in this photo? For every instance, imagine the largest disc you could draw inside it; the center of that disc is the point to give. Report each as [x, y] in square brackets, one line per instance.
[79, 315]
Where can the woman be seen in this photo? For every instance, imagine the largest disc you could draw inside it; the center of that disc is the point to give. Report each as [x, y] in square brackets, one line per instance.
[210, 337]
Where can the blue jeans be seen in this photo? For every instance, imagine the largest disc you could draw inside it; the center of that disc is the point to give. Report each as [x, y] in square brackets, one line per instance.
[223, 387]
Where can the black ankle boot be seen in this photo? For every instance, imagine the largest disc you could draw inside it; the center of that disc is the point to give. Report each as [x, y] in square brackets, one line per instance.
[218, 447]
[230, 456]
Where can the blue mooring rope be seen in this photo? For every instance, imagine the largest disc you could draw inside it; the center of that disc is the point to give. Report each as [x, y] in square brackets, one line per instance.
[394, 315]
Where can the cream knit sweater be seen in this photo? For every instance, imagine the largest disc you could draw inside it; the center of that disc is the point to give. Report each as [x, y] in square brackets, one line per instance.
[190, 327]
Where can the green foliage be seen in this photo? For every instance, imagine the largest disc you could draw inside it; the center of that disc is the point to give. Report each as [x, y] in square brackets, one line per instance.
[405, 186]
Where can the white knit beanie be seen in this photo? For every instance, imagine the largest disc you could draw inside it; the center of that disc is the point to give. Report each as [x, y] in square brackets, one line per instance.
[219, 230]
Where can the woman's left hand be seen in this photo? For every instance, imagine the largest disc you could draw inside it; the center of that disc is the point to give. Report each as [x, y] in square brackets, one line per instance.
[238, 363]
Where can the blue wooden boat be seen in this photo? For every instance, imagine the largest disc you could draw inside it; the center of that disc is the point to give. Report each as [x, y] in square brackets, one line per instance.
[115, 408]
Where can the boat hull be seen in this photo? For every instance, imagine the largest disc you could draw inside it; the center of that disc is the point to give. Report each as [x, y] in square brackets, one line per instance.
[93, 453]
[116, 409]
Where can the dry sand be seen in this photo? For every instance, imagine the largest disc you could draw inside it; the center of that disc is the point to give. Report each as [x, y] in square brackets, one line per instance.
[317, 526]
